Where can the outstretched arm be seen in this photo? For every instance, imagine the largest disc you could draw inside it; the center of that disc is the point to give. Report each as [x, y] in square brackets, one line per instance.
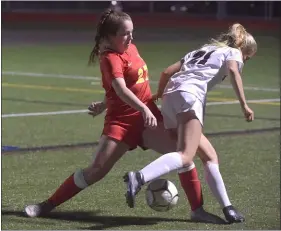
[165, 76]
[237, 84]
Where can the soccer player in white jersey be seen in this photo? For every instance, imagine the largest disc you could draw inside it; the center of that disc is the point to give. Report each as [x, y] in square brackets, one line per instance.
[183, 88]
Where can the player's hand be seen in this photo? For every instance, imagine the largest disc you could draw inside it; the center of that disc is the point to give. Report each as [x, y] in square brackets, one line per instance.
[158, 95]
[149, 119]
[248, 113]
[96, 108]
[155, 97]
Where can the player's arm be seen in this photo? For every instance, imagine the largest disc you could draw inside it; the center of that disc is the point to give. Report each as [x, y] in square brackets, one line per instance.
[123, 92]
[236, 81]
[166, 75]
[126, 95]
[113, 72]
[237, 85]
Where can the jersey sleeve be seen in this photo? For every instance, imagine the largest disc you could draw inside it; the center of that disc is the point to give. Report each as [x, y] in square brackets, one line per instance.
[234, 54]
[112, 67]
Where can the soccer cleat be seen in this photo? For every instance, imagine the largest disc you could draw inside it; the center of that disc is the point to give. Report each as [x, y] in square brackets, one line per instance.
[232, 215]
[38, 209]
[134, 181]
[200, 215]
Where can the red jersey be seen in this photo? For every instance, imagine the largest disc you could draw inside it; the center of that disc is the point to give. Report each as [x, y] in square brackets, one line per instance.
[133, 69]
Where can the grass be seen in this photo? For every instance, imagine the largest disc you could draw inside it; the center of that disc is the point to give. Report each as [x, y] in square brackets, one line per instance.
[250, 163]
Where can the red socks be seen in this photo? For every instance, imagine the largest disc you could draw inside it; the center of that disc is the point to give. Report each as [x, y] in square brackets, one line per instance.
[66, 191]
[189, 181]
[192, 187]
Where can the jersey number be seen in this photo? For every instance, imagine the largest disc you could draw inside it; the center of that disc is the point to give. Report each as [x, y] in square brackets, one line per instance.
[142, 73]
[202, 55]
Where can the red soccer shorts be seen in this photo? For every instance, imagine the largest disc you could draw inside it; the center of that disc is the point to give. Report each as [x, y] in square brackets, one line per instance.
[129, 129]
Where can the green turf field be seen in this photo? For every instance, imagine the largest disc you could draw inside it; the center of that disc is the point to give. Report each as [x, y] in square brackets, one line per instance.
[250, 162]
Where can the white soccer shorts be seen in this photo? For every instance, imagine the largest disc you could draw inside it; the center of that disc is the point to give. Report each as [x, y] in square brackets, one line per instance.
[177, 102]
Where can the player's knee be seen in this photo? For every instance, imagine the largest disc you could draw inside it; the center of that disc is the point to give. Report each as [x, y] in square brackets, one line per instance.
[208, 157]
[187, 160]
[212, 159]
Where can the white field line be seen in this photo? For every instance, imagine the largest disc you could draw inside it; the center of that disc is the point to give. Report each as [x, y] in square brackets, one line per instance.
[42, 75]
[84, 111]
[251, 88]
[43, 113]
[249, 101]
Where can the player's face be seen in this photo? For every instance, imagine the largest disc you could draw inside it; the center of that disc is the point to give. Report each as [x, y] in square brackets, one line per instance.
[247, 56]
[124, 36]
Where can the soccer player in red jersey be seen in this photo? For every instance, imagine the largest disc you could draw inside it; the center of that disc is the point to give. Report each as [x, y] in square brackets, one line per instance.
[132, 118]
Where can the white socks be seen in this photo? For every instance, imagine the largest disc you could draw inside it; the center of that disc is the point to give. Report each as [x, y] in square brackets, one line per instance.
[163, 165]
[173, 161]
[214, 180]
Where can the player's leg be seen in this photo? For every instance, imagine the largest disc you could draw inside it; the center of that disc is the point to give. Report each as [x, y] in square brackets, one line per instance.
[189, 132]
[214, 180]
[108, 152]
[162, 141]
[213, 176]
[172, 106]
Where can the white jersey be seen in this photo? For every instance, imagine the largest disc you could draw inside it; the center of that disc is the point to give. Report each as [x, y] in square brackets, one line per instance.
[202, 69]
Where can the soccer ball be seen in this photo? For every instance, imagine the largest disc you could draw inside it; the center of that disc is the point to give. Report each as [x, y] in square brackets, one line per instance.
[161, 195]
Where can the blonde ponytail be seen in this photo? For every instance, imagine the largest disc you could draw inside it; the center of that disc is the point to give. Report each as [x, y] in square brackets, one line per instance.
[238, 33]
[236, 37]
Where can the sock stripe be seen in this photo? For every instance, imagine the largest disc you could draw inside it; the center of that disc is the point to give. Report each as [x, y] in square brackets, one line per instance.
[79, 179]
[186, 168]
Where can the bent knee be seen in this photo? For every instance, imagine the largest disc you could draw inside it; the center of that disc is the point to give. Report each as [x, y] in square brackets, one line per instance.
[212, 159]
[187, 168]
[208, 157]
[186, 159]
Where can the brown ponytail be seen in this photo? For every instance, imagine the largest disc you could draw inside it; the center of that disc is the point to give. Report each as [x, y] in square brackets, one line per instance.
[96, 50]
[108, 24]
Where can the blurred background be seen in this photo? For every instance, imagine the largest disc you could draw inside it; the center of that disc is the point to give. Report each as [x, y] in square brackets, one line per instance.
[267, 10]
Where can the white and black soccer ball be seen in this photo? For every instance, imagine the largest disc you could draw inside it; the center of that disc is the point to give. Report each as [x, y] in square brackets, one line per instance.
[161, 195]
